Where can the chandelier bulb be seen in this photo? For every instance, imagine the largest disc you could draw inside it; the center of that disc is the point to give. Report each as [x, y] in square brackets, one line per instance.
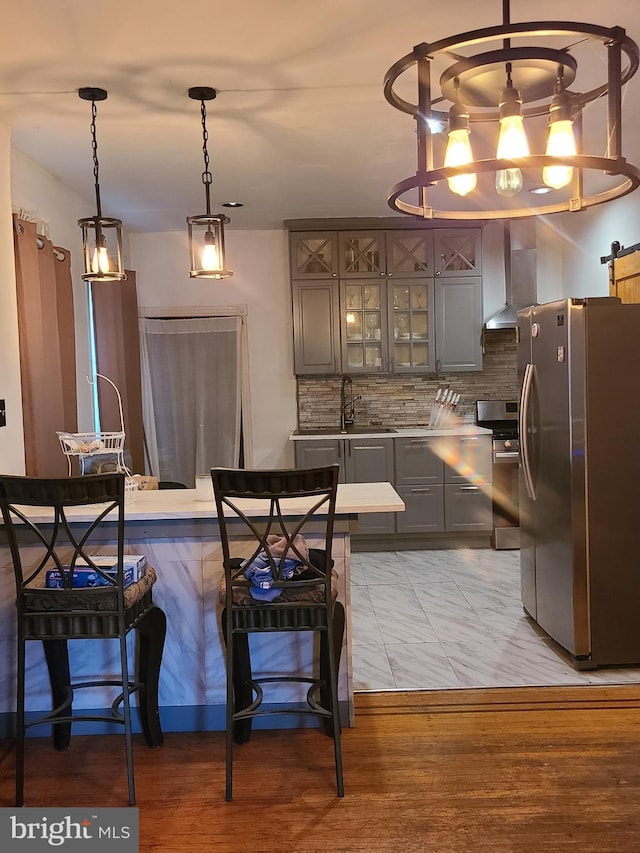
[509, 182]
[459, 151]
[561, 141]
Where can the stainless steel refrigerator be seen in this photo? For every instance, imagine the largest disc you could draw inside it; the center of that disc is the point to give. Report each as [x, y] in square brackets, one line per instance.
[579, 372]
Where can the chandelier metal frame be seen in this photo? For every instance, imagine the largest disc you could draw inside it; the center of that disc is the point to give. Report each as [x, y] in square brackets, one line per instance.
[535, 71]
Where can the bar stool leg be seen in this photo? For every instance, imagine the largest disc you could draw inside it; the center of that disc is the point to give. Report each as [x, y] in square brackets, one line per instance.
[56, 653]
[151, 630]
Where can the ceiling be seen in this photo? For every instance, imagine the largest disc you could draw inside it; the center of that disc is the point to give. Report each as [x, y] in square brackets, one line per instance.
[300, 127]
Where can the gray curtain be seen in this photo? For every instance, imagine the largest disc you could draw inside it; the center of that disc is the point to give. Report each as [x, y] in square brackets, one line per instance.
[191, 380]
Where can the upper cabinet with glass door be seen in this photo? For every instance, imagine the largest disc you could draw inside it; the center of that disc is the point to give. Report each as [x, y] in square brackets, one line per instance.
[314, 254]
[364, 326]
[411, 326]
[457, 252]
[362, 254]
[409, 254]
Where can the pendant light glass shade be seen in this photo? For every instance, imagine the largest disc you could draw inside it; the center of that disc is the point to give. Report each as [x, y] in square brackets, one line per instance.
[206, 246]
[101, 235]
[206, 231]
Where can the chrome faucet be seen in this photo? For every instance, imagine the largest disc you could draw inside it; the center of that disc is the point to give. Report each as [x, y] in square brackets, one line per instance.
[347, 402]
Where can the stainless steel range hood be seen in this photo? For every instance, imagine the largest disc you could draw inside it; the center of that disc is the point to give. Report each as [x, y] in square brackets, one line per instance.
[520, 285]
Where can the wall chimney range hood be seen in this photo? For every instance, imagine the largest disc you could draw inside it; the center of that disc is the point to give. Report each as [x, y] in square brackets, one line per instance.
[520, 285]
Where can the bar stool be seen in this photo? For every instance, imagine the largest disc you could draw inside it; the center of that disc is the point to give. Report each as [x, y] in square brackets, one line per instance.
[52, 525]
[274, 582]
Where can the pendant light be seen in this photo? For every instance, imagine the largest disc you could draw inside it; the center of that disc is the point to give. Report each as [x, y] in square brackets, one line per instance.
[206, 232]
[101, 235]
[561, 141]
[458, 151]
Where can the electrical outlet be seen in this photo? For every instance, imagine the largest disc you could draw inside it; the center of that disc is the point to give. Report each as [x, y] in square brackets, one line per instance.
[3, 414]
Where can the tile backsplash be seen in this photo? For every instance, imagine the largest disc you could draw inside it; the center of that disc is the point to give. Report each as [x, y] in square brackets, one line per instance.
[405, 401]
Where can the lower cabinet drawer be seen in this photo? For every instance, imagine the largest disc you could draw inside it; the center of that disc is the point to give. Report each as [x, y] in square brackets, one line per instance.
[467, 507]
[424, 509]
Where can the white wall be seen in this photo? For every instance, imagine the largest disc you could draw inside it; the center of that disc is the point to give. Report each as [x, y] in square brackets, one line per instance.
[259, 260]
[11, 436]
[588, 235]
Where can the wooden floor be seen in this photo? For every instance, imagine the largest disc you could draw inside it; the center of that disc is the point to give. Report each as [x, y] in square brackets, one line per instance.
[526, 769]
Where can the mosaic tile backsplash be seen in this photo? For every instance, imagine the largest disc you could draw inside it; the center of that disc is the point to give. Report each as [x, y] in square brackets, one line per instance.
[405, 401]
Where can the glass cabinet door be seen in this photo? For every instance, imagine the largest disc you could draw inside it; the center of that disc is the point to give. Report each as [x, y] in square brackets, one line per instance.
[411, 325]
[362, 254]
[458, 251]
[364, 327]
[410, 253]
[314, 254]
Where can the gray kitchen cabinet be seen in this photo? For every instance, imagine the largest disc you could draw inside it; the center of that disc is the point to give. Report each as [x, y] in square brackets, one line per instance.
[444, 496]
[316, 333]
[362, 254]
[409, 254]
[419, 474]
[314, 254]
[318, 452]
[364, 338]
[424, 509]
[468, 457]
[444, 480]
[412, 326]
[457, 252]
[458, 324]
[370, 460]
[467, 477]
[387, 301]
[417, 462]
[467, 508]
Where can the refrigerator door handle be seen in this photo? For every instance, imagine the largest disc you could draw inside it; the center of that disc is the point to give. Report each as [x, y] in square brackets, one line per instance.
[525, 400]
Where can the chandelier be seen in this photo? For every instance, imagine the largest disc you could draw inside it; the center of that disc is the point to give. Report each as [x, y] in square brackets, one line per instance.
[525, 87]
[206, 231]
[101, 235]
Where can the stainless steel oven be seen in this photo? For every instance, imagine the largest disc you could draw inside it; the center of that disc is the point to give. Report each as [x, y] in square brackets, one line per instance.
[501, 417]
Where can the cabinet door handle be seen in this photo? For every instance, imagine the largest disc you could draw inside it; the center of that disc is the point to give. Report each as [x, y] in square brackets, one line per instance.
[419, 442]
[469, 489]
[420, 491]
[469, 437]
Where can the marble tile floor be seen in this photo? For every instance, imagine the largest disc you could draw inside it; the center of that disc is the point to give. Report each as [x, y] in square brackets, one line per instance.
[447, 619]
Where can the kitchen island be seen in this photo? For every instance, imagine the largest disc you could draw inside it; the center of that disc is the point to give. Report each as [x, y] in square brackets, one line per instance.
[178, 533]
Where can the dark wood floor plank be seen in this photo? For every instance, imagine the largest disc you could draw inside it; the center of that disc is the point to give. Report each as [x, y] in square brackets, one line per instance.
[506, 771]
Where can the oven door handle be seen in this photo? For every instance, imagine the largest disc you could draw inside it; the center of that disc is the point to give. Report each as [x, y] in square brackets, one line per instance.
[525, 402]
[506, 455]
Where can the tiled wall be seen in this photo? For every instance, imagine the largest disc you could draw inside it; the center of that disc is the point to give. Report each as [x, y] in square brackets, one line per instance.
[404, 401]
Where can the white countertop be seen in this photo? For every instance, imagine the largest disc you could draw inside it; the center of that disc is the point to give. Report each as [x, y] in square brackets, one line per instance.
[167, 504]
[406, 432]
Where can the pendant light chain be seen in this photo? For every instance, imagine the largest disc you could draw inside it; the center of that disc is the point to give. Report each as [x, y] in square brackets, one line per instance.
[207, 177]
[96, 163]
